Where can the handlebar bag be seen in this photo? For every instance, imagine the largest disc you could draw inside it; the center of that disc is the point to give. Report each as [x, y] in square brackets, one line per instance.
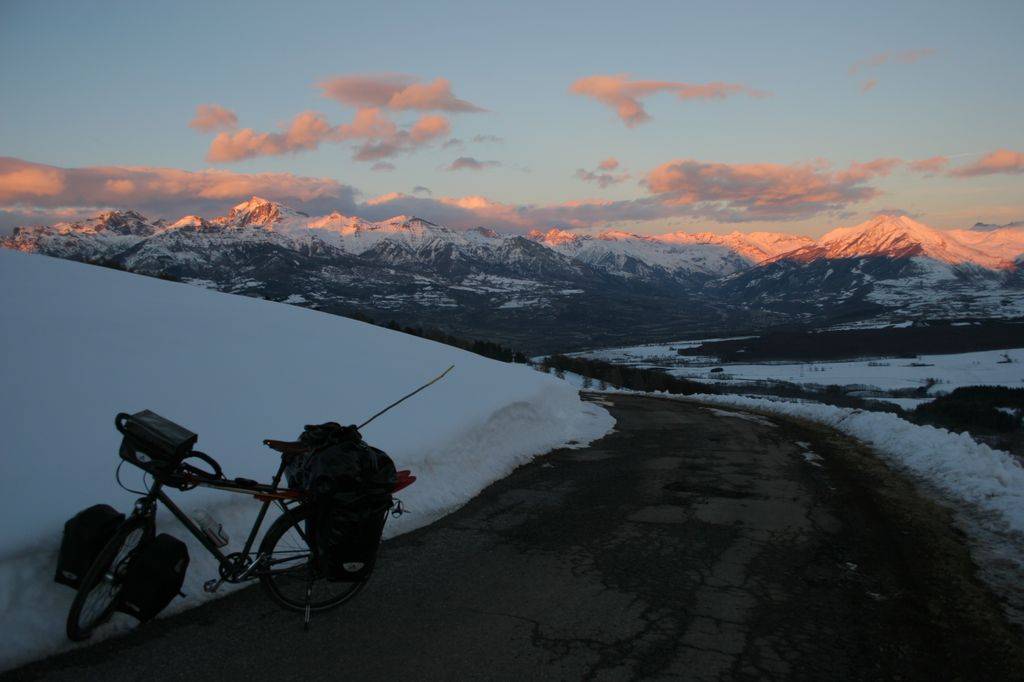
[154, 577]
[153, 442]
[85, 536]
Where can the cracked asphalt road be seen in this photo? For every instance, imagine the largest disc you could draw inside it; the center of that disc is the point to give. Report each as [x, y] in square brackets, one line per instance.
[688, 544]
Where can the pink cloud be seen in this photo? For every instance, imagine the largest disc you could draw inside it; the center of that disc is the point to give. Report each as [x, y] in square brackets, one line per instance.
[469, 163]
[624, 95]
[162, 191]
[306, 131]
[999, 161]
[422, 132]
[369, 123]
[21, 181]
[869, 85]
[898, 57]
[397, 92]
[611, 163]
[929, 166]
[429, 128]
[211, 117]
[762, 190]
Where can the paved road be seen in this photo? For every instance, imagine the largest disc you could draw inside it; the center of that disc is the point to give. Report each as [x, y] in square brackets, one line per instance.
[690, 543]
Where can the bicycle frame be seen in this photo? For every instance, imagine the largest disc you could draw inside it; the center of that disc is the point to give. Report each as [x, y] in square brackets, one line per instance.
[267, 494]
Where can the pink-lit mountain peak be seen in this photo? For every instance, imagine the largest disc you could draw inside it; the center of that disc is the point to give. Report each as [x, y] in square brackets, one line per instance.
[903, 237]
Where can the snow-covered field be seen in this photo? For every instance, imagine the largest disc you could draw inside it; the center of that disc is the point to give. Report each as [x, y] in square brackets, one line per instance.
[942, 373]
[82, 343]
[984, 368]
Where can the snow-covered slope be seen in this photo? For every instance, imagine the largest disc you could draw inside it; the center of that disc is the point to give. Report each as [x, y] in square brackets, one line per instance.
[634, 256]
[82, 343]
[899, 237]
[755, 247]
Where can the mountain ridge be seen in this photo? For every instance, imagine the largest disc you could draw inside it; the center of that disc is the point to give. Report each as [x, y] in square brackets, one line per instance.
[548, 286]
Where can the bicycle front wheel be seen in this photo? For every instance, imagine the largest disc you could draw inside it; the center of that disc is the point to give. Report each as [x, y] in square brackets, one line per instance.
[289, 573]
[101, 585]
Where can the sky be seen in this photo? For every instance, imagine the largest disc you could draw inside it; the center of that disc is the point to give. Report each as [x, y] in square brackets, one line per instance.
[651, 117]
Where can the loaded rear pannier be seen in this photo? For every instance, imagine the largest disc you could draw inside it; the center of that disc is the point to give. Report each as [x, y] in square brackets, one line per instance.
[350, 484]
[85, 536]
[154, 577]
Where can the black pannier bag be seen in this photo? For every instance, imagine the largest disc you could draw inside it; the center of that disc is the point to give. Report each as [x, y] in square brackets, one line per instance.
[347, 536]
[152, 442]
[154, 577]
[85, 536]
[350, 483]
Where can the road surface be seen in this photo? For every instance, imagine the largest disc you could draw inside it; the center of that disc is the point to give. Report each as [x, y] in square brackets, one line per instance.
[691, 543]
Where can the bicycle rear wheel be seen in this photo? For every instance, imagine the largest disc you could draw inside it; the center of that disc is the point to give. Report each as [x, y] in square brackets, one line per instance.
[290, 572]
[97, 595]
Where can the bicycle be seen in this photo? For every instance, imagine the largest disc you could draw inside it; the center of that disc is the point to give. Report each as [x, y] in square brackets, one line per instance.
[284, 563]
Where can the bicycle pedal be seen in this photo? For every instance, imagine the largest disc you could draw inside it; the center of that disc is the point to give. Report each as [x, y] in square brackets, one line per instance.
[212, 586]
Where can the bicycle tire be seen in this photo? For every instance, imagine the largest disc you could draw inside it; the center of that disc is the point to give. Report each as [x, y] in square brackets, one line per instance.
[86, 614]
[281, 584]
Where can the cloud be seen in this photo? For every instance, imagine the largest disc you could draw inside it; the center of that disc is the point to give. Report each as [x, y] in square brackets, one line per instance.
[487, 138]
[869, 85]
[383, 166]
[890, 57]
[998, 161]
[929, 166]
[624, 95]
[398, 92]
[211, 117]
[765, 191]
[683, 188]
[602, 179]
[22, 181]
[422, 132]
[381, 137]
[369, 123]
[452, 142]
[306, 131]
[469, 163]
[33, 187]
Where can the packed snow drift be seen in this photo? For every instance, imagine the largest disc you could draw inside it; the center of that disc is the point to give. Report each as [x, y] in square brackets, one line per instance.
[82, 343]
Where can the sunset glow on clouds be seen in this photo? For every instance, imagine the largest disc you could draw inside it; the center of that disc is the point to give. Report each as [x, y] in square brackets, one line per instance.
[623, 94]
[397, 92]
[213, 117]
[999, 161]
[372, 96]
[723, 192]
[692, 117]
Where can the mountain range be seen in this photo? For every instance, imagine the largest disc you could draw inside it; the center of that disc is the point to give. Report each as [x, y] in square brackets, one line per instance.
[560, 290]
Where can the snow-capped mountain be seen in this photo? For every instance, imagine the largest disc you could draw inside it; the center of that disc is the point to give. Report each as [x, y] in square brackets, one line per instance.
[897, 237]
[551, 286]
[892, 264]
[755, 247]
[633, 256]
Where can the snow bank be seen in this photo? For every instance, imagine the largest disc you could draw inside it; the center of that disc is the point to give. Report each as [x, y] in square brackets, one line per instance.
[82, 343]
